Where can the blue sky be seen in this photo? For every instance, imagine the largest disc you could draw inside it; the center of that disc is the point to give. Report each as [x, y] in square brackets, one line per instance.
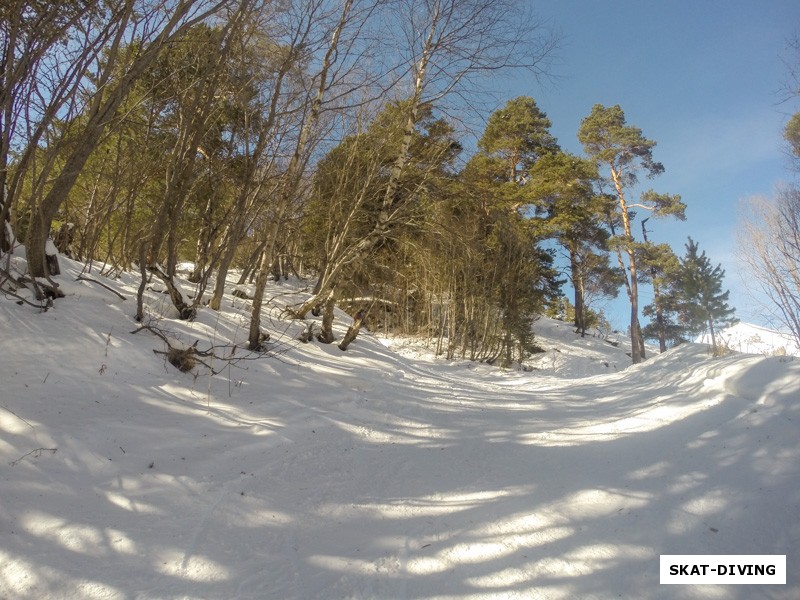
[703, 80]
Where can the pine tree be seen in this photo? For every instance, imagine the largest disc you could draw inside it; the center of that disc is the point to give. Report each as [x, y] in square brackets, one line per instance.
[562, 189]
[704, 305]
[624, 151]
[662, 269]
[791, 134]
[518, 134]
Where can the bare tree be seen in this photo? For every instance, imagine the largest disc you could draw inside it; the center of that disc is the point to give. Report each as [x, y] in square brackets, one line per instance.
[769, 246]
[262, 129]
[332, 83]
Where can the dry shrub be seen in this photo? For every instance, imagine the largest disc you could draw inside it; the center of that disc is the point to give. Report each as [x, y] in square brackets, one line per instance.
[183, 360]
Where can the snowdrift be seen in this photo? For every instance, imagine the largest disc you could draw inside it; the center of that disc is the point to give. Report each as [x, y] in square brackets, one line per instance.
[313, 473]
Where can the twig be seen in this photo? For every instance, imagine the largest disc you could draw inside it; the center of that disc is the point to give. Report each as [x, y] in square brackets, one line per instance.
[37, 453]
[7, 276]
[16, 415]
[184, 358]
[101, 284]
[154, 331]
[22, 300]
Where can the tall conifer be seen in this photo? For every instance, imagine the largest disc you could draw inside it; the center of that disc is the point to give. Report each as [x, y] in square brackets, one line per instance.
[624, 151]
[705, 305]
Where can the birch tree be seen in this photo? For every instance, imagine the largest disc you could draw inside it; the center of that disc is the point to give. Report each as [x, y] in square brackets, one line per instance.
[769, 246]
[275, 60]
[334, 52]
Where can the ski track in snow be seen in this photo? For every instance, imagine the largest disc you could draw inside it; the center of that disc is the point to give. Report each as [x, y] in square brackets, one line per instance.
[321, 475]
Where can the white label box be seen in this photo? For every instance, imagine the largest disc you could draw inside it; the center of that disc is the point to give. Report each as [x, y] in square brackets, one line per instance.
[728, 569]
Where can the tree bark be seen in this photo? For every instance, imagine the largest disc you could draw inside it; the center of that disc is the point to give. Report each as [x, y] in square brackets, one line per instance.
[713, 336]
[637, 341]
[143, 272]
[326, 335]
[577, 285]
[352, 331]
[660, 325]
[254, 337]
[185, 311]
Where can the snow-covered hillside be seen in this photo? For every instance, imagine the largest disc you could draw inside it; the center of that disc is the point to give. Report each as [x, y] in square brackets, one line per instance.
[752, 339]
[318, 474]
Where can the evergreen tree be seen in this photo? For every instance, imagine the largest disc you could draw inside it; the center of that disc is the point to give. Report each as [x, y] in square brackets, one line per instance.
[516, 273]
[791, 134]
[348, 191]
[625, 152]
[662, 269]
[562, 188]
[518, 135]
[516, 138]
[704, 305]
[561, 309]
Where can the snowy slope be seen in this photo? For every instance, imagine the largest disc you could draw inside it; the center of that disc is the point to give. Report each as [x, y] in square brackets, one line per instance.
[564, 354]
[752, 339]
[317, 474]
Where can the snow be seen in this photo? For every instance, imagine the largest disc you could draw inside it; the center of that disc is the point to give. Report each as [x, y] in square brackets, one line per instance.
[752, 339]
[382, 472]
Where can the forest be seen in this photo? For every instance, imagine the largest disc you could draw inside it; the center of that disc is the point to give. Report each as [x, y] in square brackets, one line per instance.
[335, 141]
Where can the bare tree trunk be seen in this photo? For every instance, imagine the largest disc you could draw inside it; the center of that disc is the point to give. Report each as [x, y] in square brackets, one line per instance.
[228, 252]
[256, 176]
[185, 311]
[352, 331]
[299, 158]
[637, 341]
[204, 240]
[326, 335]
[660, 325]
[24, 66]
[714, 348]
[577, 285]
[5, 205]
[143, 272]
[255, 334]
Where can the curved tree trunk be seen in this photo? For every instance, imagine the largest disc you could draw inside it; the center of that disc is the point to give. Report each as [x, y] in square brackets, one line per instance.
[352, 332]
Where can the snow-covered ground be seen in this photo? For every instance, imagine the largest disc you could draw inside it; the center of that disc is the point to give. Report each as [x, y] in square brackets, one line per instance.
[380, 472]
[752, 339]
